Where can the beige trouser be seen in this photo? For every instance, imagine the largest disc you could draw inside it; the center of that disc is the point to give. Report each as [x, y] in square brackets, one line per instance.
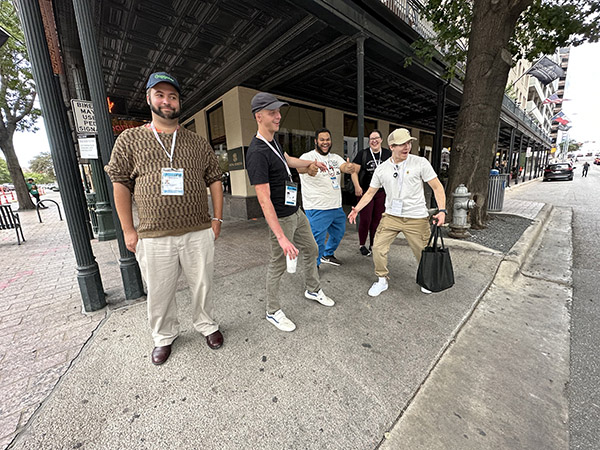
[416, 232]
[297, 229]
[161, 261]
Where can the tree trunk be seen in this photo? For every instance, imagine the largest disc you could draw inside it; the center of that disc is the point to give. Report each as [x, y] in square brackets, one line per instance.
[488, 64]
[16, 174]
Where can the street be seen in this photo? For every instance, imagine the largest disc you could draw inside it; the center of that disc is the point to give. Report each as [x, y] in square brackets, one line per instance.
[581, 195]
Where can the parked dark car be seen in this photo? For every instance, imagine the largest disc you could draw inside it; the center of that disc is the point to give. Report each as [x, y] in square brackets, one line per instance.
[558, 171]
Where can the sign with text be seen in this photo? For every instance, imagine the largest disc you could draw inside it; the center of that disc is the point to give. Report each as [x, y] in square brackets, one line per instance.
[83, 112]
[88, 148]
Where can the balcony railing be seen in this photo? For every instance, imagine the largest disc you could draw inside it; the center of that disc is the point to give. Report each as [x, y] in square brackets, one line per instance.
[409, 12]
[513, 108]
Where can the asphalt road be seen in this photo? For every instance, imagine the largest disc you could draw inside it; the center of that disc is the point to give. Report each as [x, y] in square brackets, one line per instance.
[582, 196]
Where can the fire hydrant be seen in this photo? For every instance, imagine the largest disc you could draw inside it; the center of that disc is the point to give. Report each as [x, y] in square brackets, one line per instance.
[462, 204]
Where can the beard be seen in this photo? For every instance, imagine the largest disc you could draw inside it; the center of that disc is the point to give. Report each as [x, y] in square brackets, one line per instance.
[324, 153]
[173, 114]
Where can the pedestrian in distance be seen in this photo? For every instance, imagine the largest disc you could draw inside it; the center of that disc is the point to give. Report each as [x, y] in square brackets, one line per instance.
[167, 169]
[268, 168]
[322, 196]
[35, 193]
[402, 177]
[586, 166]
[370, 216]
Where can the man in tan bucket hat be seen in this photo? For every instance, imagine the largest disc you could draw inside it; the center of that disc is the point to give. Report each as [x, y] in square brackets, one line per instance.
[402, 178]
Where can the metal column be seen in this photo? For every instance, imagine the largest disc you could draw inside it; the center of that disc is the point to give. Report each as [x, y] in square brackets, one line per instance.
[436, 157]
[130, 271]
[511, 147]
[106, 226]
[360, 91]
[63, 151]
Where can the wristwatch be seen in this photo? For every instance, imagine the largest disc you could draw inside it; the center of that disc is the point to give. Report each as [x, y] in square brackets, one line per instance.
[442, 210]
[220, 220]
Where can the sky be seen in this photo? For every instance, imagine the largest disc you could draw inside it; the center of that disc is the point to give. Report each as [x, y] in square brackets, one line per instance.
[582, 88]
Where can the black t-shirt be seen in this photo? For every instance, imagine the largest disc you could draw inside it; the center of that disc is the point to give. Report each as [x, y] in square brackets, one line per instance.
[368, 165]
[264, 166]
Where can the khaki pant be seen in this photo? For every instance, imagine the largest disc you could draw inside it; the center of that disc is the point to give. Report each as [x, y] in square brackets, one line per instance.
[297, 229]
[161, 261]
[416, 232]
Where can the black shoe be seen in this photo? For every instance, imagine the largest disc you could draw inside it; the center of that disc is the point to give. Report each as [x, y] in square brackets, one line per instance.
[365, 251]
[331, 260]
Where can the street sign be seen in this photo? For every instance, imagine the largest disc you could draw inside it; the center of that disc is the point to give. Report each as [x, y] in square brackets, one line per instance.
[83, 112]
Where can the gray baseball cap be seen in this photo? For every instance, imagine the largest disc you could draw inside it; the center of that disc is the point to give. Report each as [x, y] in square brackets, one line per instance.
[264, 100]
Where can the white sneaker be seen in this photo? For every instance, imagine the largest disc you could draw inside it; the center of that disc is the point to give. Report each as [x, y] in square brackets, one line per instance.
[378, 287]
[319, 297]
[425, 291]
[281, 321]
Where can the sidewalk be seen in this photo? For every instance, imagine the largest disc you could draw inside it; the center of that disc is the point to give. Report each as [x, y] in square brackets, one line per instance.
[341, 380]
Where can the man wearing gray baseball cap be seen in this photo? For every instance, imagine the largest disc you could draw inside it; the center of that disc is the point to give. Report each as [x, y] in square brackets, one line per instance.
[268, 168]
[402, 178]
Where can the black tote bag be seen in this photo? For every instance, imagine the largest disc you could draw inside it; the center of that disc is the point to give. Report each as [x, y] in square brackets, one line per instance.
[435, 269]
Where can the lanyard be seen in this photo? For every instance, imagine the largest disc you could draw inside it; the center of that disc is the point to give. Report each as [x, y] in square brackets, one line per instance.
[163, 145]
[377, 162]
[258, 135]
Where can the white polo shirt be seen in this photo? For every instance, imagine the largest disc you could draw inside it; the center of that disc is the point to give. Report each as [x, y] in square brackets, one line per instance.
[320, 191]
[405, 190]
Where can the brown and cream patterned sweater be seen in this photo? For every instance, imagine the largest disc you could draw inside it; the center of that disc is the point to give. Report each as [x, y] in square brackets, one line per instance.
[136, 162]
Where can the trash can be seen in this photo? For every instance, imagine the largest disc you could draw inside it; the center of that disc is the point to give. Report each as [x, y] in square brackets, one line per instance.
[496, 188]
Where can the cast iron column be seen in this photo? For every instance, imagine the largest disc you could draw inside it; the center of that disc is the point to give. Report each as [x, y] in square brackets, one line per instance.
[511, 147]
[519, 159]
[106, 226]
[130, 271]
[436, 157]
[63, 151]
[360, 91]
[526, 159]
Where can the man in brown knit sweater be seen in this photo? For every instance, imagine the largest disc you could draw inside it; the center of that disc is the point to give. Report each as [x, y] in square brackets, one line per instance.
[167, 170]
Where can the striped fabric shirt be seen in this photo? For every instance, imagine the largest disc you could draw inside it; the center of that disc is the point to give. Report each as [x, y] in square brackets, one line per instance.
[136, 162]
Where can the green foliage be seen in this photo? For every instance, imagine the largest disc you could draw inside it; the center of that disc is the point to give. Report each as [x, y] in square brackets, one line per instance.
[42, 164]
[574, 146]
[39, 178]
[541, 29]
[17, 89]
[4, 174]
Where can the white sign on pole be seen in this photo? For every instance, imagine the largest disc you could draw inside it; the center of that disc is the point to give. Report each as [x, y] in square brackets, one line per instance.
[88, 148]
[83, 112]
[529, 153]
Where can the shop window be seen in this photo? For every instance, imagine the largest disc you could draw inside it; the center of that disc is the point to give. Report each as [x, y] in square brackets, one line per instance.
[217, 136]
[191, 125]
[297, 128]
[351, 134]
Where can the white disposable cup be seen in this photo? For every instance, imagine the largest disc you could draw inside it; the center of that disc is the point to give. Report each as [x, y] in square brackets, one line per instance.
[291, 263]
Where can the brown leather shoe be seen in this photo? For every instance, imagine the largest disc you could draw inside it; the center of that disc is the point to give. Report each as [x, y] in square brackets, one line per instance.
[160, 354]
[215, 340]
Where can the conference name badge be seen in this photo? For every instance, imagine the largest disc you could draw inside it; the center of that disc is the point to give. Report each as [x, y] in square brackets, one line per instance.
[171, 181]
[291, 193]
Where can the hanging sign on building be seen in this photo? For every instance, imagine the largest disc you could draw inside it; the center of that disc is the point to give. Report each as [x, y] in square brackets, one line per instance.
[235, 158]
[529, 153]
[88, 148]
[83, 112]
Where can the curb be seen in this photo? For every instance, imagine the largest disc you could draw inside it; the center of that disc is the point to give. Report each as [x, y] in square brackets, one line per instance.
[524, 183]
[511, 265]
